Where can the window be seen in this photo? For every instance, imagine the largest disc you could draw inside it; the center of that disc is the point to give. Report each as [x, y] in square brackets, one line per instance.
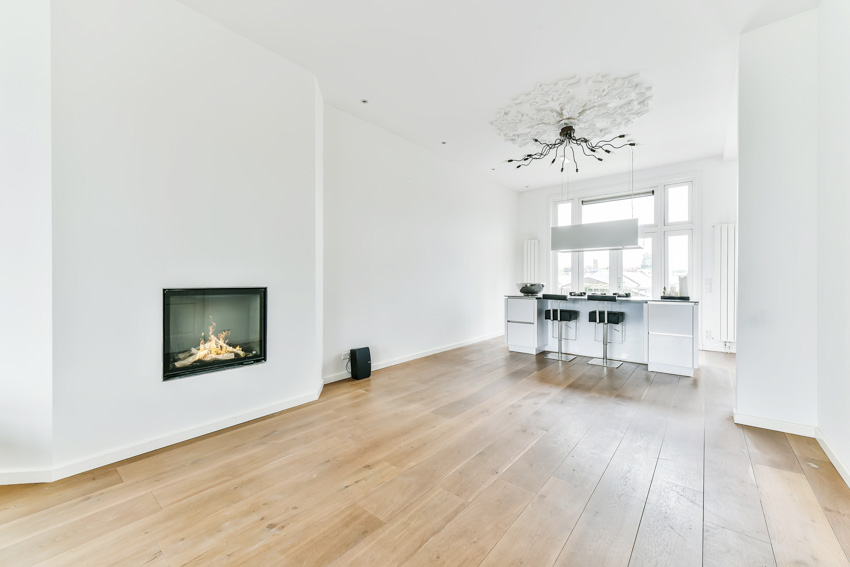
[564, 214]
[597, 271]
[622, 207]
[605, 271]
[665, 259]
[637, 270]
[565, 272]
[678, 262]
[563, 260]
[678, 204]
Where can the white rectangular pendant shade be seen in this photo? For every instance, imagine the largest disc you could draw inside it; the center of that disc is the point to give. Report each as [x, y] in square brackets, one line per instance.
[610, 235]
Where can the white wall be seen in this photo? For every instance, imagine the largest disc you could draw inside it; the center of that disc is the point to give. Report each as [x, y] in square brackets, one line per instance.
[25, 245]
[719, 206]
[418, 250]
[778, 205]
[184, 156]
[716, 183]
[833, 236]
[319, 231]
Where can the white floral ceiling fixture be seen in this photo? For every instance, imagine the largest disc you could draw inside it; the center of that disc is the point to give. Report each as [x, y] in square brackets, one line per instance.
[571, 114]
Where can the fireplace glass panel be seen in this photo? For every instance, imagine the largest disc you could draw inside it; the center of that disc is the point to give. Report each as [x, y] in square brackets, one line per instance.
[205, 330]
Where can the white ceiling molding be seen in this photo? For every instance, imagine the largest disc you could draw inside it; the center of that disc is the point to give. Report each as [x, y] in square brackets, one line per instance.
[598, 107]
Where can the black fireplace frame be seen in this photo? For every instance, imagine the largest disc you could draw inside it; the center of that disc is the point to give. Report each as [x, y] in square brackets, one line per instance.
[171, 374]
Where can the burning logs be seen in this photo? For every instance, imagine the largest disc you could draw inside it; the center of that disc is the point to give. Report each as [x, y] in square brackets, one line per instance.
[199, 355]
[216, 348]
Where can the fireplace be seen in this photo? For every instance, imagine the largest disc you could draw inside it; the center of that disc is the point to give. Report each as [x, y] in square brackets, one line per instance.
[210, 329]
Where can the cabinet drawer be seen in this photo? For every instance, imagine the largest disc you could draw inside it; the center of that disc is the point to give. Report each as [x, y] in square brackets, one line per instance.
[671, 350]
[522, 310]
[671, 319]
[521, 334]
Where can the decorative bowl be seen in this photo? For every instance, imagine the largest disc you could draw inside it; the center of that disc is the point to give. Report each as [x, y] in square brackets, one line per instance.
[530, 288]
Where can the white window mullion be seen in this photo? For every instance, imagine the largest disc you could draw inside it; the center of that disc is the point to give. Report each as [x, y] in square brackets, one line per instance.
[658, 264]
[578, 285]
[616, 271]
[578, 260]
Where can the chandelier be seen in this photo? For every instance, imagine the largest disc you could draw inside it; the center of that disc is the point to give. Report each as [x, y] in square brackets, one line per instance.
[568, 115]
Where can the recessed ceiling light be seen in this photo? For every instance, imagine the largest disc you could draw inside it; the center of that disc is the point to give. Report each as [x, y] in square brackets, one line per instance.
[364, 101]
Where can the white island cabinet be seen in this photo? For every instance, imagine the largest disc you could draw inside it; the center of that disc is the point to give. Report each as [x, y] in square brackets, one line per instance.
[672, 337]
[524, 328]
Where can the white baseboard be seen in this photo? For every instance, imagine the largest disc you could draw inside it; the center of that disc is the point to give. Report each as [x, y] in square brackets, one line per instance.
[408, 358]
[774, 424]
[671, 369]
[125, 452]
[28, 476]
[833, 457]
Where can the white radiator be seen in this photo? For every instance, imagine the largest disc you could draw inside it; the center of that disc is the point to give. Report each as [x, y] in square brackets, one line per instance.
[530, 267]
[726, 276]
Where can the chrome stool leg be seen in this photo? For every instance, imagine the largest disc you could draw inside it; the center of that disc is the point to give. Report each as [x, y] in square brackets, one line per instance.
[560, 354]
[604, 360]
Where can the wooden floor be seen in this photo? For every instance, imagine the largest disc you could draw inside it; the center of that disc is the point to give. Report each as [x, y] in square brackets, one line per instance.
[469, 457]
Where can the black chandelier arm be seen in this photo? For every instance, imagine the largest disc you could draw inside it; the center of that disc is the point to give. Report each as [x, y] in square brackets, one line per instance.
[545, 151]
[531, 157]
[585, 151]
[613, 147]
[542, 153]
[593, 155]
[566, 140]
[612, 139]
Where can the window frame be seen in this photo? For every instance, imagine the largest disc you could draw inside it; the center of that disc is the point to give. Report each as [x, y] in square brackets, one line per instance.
[574, 258]
[690, 220]
[679, 232]
[657, 232]
[619, 196]
[653, 237]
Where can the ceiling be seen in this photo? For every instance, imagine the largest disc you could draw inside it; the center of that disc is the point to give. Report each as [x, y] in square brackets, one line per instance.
[437, 71]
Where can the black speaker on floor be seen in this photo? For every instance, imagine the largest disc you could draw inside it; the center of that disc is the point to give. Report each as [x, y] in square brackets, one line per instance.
[361, 363]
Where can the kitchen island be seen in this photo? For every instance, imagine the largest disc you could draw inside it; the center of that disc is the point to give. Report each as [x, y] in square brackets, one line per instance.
[660, 333]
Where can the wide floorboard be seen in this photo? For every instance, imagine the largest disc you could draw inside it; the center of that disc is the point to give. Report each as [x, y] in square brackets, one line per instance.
[474, 456]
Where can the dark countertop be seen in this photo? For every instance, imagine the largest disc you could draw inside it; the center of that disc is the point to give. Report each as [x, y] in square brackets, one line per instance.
[619, 299]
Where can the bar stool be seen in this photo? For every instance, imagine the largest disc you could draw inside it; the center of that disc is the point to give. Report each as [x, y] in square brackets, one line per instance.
[559, 316]
[605, 317]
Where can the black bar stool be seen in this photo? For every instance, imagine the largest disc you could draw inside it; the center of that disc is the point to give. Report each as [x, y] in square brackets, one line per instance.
[605, 317]
[559, 316]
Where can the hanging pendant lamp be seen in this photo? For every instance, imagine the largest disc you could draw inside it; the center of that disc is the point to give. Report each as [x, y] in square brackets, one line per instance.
[607, 235]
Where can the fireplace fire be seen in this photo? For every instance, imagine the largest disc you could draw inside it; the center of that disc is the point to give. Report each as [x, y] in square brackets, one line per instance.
[190, 313]
[214, 349]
